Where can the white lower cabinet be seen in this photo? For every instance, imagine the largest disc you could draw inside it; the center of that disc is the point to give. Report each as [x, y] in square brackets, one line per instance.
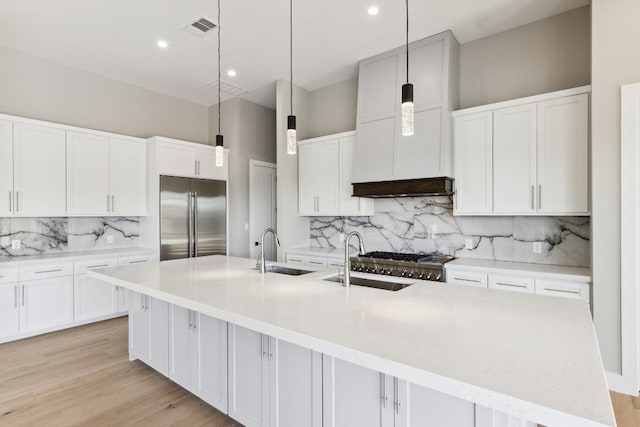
[272, 382]
[94, 298]
[46, 304]
[355, 396]
[198, 355]
[486, 417]
[9, 311]
[148, 332]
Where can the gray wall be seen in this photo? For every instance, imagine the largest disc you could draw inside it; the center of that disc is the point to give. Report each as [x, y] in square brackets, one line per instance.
[332, 109]
[616, 61]
[38, 88]
[249, 133]
[544, 56]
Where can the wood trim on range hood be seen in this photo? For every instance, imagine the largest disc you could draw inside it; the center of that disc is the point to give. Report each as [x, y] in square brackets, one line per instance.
[441, 186]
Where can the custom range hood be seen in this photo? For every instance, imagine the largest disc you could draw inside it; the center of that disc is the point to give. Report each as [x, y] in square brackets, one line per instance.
[405, 188]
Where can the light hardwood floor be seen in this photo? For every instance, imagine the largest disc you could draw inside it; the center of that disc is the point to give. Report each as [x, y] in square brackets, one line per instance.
[83, 377]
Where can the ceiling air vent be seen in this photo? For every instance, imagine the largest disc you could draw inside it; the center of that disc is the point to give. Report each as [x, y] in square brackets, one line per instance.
[227, 88]
[200, 27]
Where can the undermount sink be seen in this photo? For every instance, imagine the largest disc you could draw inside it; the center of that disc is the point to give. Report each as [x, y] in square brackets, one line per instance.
[378, 284]
[286, 270]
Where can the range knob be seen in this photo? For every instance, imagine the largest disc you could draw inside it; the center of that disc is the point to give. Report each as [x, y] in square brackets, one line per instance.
[389, 272]
[421, 275]
[366, 270]
[410, 274]
[354, 268]
[429, 276]
[403, 273]
[360, 268]
[438, 276]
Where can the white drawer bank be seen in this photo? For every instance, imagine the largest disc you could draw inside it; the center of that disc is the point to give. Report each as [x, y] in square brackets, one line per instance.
[42, 294]
[322, 257]
[559, 281]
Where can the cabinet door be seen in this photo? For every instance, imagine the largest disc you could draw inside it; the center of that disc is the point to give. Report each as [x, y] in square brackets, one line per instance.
[563, 155]
[296, 385]
[176, 160]
[306, 180]
[87, 174]
[349, 205]
[138, 327]
[420, 155]
[474, 163]
[128, 172]
[9, 314]
[211, 381]
[158, 312]
[327, 177]
[93, 298]
[248, 377]
[124, 299]
[182, 357]
[419, 406]
[378, 89]
[46, 304]
[514, 159]
[6, 168]
[355, 396]
[486, 417]
[374, 150]
[39, 171]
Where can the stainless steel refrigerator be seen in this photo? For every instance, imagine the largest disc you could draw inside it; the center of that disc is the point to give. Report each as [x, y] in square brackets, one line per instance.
[193, 217]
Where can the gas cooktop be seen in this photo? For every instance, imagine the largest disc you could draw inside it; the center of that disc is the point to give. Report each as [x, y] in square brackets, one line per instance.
[419, 266]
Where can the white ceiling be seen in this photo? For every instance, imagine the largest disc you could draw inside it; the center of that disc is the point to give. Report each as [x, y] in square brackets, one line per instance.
[117, 38]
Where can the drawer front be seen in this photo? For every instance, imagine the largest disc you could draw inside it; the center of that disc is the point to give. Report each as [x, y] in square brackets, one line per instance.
[294, 258]
[467, 278]
[335, 263]
[136, 259]
[314, 260]
[9, 275]
[81, 267]
[512, 283]
[564, 289]
[44, 271]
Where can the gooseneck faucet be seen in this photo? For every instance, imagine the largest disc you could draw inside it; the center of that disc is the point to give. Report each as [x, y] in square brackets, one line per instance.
[347, 260]
[261, 263]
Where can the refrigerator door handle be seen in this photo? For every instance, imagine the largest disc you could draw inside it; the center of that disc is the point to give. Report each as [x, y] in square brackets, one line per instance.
[195, 224]
[190, 221]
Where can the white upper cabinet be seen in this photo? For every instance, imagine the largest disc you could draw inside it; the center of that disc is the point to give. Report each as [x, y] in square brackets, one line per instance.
[382, 152]
[563, 155]
[39, 173]
[105, 176]
[539, 156]
[188, 159]
[324, 177]
[473, 147]
[6, 168]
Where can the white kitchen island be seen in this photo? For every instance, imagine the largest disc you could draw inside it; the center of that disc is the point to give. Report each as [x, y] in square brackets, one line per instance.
[533, 357]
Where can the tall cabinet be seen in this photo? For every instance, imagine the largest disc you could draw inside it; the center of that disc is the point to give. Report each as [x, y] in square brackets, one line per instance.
[528, 156]
[382, 152]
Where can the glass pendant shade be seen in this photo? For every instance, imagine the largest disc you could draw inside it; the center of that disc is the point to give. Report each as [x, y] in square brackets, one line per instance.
[291, 135]
[407, 110]
[219, 151]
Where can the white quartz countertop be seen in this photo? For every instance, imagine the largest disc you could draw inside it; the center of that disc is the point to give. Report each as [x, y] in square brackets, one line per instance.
[535, 357]
[70, 256]
[540, 270]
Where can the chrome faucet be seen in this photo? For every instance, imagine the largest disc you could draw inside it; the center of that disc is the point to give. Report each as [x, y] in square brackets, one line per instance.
[261, 263]
[347, 260]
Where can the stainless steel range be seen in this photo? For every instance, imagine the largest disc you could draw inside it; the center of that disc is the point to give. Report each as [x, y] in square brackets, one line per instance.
[417, 266]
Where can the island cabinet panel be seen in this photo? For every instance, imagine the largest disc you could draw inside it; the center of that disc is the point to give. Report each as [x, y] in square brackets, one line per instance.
[415, 405]
[9, 311]
[272, 382]
[148, 332]
[486, 417]
[198, 355]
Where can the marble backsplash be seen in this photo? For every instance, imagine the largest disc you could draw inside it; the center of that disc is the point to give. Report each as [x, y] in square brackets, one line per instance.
[427, 225]
[57, 235]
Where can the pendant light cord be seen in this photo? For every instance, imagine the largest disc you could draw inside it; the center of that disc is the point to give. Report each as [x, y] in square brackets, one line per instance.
[407, 3]
[219, 77]
[291, 53]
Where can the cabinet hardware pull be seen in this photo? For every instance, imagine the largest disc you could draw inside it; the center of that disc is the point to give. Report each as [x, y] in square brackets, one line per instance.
[190, 321]
[17, 201]
[462, 279]
[23, 295]
[565, 291]
[108, 205]
[533, 192]
[141, 302]
[146, 303]
[540, 196]
[113, 203]
[383, 390]
[49, 271]
[15, 296]
[195, 320]
[139, 261]
[513, 285]
[195, 167]
[97, 266]
[195, 225]
[396, 395]
[264, 352]
[10, 201]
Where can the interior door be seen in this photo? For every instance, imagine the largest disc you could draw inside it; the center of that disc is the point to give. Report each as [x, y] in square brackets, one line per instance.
[262, 207]
[174, 218]
[210, 222]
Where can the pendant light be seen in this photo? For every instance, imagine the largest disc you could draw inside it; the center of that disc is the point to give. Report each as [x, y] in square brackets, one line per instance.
[291, 119]
[407, 93]
[219, 138]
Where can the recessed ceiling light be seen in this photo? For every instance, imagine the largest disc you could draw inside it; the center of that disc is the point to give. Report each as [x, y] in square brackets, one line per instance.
[231, 73]
[163, 44]
[373, 10]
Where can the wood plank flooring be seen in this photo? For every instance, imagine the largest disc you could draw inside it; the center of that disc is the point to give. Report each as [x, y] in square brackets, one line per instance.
[83, 377]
